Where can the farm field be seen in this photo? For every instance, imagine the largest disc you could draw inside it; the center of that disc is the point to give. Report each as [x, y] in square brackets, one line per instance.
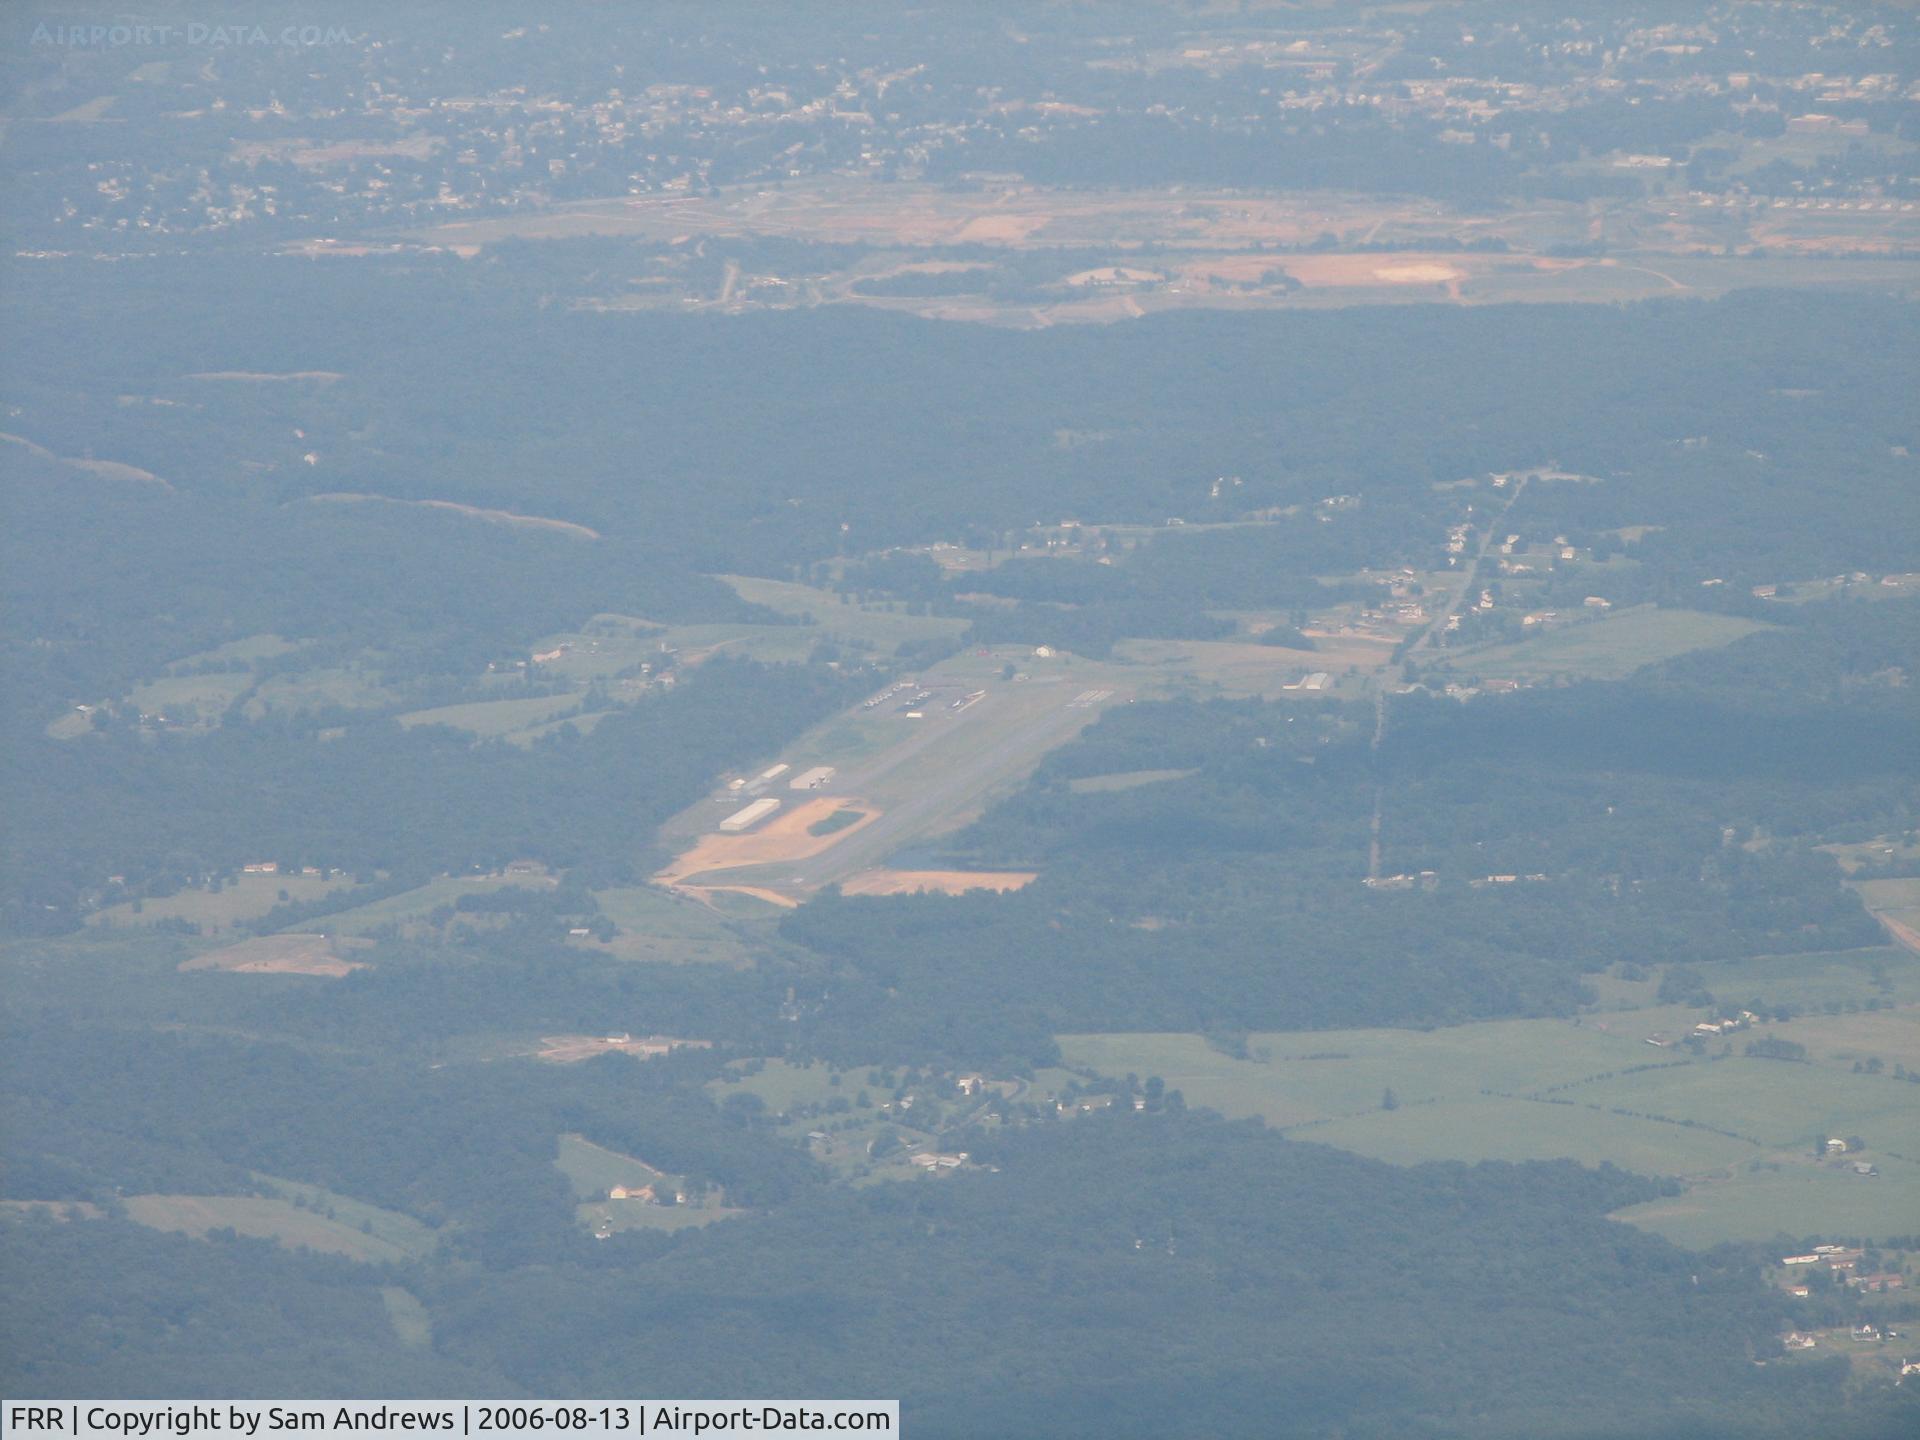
[1770, 1197]
[1738, 1132]
[1603, 649]
[388, 1226]
[492, 718]
[657, 926]
[1803, 982]
[414, 906]
[879, 626]
[1896, 904]
[245, 897]
[278, 1220]
[1239, 669]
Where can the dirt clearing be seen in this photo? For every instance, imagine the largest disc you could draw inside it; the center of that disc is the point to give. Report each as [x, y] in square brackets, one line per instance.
[781, 840]
[284, 955]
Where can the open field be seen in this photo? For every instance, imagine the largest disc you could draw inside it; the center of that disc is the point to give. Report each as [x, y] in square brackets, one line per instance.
[609, 1217]
[654, 925]
[412, 907]
[882, 626]
[245, 897]
[1239, 669]
[1872, 852]
[1896, 905]
[1798, 1198]
[269, 1219]
[411, 1321]
[593, 1169]
[942, 882]
[319, 955]
[1738, 1132]
[488, 718]
[1603, 649]
[1808, 982]
[571, 1049]
[1123, 780]
[390, 1227]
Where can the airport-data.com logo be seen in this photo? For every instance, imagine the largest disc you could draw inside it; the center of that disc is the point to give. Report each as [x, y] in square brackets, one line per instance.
[195, 32]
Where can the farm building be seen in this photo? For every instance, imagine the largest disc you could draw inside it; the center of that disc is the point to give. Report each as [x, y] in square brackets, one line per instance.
[749, 816]
[811, 779]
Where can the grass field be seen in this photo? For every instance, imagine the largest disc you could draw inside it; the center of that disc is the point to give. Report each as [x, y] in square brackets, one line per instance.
[838, 820]
[1803, 982]
[1603, 649]
[489, 718]
[390, 1227]
[1738, 1132]
[1897, 901]
[1777, 1104]
[654, 925]
[1123, 780]
[879, 626]
[284, 1222]
[246, 897]
[412, 1324]
[592, 1170]
[1240, 668]
[1771, 1197]
[413, 906]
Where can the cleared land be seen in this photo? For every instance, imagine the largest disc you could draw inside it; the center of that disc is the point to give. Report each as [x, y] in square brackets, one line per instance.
[1604, 649]
[1238, 669]
[1738, 1132]
[570, 1049]
[657, 926]
[1123, 780]
[494, 717]
[246, 897]
[271, 1219]
[592, 1170]
[785, 838]
[319, 955]
[1896, 905]
[944, 882]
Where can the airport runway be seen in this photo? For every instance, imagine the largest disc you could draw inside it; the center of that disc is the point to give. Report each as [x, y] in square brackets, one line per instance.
[958, 787]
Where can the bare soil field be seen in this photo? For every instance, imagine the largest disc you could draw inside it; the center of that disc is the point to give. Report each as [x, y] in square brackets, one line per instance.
[283, 955]
[782, 839]
[942, 882]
